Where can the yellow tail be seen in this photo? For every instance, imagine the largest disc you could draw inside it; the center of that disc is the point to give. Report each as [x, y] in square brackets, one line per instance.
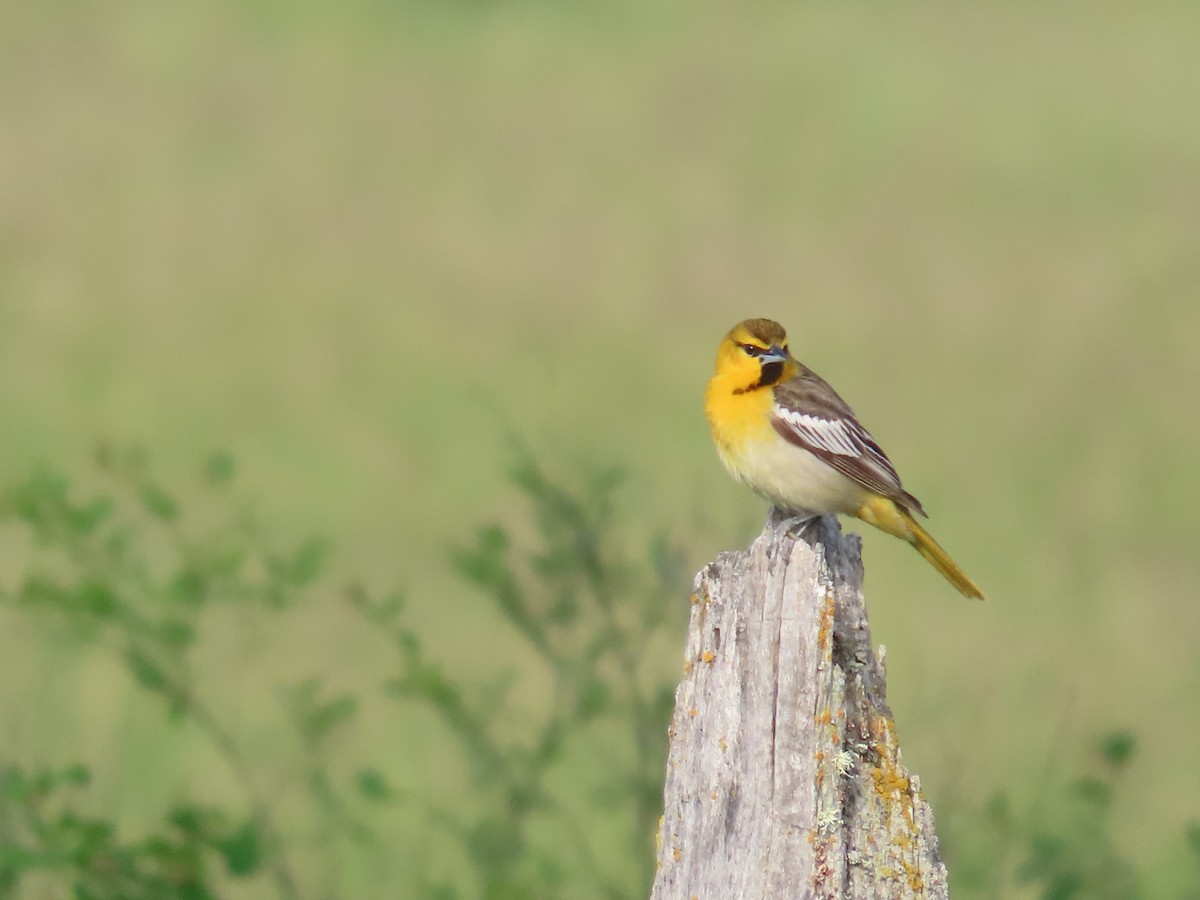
[895, 519]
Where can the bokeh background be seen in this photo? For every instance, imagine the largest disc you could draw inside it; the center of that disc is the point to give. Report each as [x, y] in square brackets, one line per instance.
[365, 246]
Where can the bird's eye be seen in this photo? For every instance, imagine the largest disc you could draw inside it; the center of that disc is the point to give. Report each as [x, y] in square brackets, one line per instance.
[752, 350]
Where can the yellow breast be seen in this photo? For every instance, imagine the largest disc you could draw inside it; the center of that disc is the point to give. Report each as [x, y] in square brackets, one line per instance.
[738, 419]
[758, 456]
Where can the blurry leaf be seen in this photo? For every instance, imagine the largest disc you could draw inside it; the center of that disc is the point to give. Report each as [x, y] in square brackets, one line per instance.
[14, 785]
[485, 564]
[118, 541]
[664, 699]
[999, 810]
[373, 785]
[146, 671]
[158, 502]
[188, 819]
[549, 748]
[594, 696]
[176, 633]
[1063, 886]
[1045, 851]
[1094, 790]
[494, 843]
[35, 499]
[391, 606]
[177, 707]
[298, 570]
[91, 835]
[309, 561]
[380, 612]
[427, 681]
[37, 591]
[227, 563]
[84, 519]
[1118, 748]
[189, 587]
[104, 455]
[1192, 835]
[43, 782]
[603, 639]
[219, 468]
[667, 561]
[76, 776]
[242, 850]
[605, 481]
[549, 871]
[316, 719]
[330, 715]
[409, 641]
[97, 599]
[565, 609]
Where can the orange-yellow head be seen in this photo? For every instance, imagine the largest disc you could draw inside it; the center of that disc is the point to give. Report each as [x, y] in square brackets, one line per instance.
[753, 355]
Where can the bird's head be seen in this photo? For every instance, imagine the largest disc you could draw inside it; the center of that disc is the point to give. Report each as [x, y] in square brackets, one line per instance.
[754, 355]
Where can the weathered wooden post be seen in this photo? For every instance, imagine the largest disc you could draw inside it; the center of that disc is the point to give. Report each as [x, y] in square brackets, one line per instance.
[784, 777]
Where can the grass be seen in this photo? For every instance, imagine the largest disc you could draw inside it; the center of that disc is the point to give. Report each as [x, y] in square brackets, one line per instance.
[361, 245]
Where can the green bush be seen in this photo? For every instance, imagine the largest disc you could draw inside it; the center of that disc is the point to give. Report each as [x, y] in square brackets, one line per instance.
[134, 569]
[129, 571]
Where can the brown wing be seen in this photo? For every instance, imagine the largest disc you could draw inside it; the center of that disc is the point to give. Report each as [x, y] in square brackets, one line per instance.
[810, 414]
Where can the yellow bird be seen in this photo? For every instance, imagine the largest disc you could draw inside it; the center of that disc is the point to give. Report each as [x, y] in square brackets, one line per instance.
[781, 429]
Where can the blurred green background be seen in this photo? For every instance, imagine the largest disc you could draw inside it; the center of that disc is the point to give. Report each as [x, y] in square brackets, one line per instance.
[361, 245]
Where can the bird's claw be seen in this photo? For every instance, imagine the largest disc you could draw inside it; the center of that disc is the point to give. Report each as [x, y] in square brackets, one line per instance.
[801, 525]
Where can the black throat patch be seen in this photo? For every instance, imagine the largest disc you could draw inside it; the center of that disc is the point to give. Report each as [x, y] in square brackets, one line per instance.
[771, 373]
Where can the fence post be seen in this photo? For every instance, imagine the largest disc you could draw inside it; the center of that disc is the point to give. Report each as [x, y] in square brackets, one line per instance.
[784, 777]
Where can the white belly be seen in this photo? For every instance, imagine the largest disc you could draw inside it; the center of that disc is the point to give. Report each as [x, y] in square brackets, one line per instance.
[794, 479]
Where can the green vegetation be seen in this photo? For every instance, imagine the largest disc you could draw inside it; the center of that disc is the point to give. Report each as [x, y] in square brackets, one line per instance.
[586, 613]
[356, 243]
[129, 573]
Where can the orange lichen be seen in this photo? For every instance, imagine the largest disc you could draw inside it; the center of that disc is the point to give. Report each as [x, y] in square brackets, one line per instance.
[889, 779]
[827, 615]
[687, 667]
[913, 874]
[693, 712]
[676, 852]
[695, 599]
[883, 729]
[708, 656]
[722, 744]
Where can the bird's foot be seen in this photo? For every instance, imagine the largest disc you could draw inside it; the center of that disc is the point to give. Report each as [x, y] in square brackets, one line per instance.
[799, 525]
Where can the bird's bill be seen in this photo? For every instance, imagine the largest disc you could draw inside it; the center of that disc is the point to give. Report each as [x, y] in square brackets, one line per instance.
[773, 355]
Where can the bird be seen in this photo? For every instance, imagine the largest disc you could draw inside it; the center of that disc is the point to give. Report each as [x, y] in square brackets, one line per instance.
[783, 431]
